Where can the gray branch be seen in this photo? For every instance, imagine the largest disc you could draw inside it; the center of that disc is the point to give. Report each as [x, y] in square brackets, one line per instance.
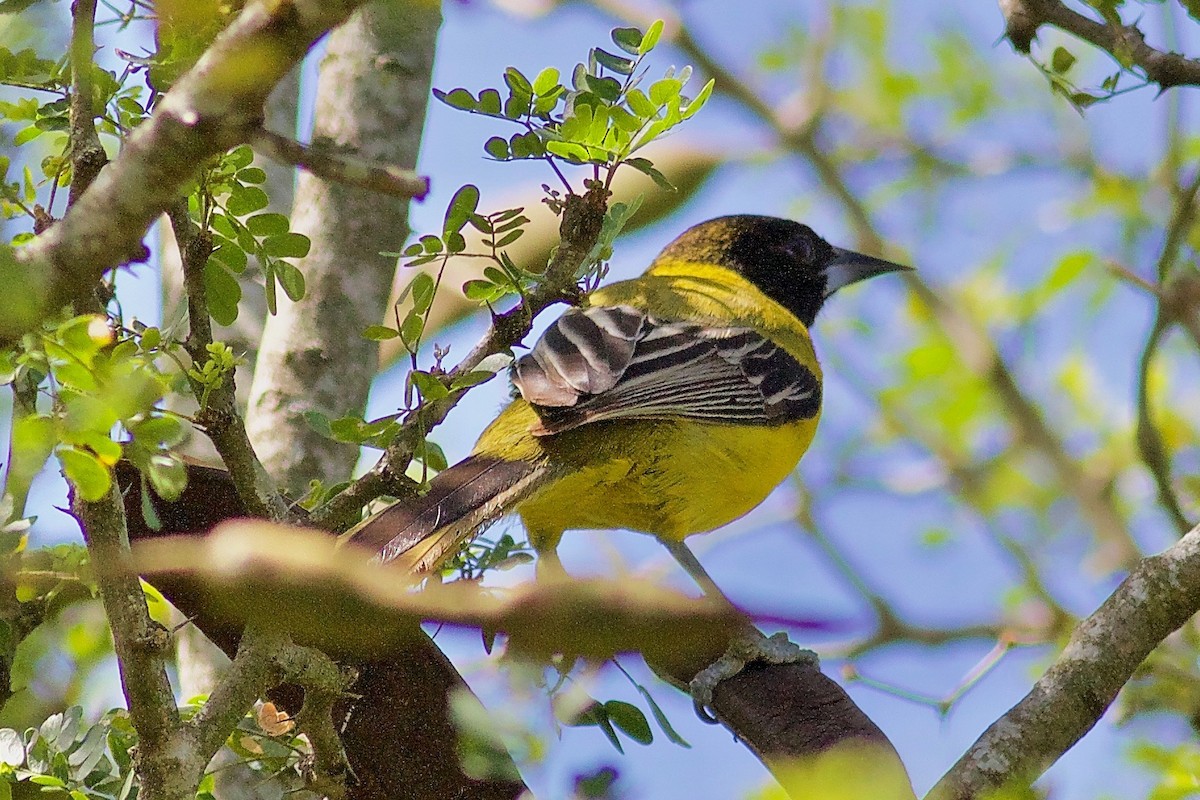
[1022, 18]
[1160, 595]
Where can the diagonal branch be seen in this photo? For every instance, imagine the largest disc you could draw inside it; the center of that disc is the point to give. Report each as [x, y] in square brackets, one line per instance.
[1159, 595]
[216, 105]
[341, 168]
[1126, 43]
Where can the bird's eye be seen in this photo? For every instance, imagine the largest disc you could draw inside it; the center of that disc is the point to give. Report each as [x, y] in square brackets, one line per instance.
[800, 249]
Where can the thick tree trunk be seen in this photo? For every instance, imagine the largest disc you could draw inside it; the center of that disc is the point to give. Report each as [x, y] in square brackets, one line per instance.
[371, 98]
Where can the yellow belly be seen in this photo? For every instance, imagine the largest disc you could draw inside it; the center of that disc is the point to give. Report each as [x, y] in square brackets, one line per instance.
[669, 478]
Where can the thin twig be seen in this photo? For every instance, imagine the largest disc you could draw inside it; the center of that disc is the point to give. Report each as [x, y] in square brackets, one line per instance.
[341, 168]
[580, 228]
[219, 416]
[1150, 443]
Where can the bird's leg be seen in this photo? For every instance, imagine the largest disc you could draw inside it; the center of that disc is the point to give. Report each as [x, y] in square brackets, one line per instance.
[748, 646]
[692, 566]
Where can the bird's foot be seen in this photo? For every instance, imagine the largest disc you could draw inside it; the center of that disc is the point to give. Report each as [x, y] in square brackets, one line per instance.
[744, 649]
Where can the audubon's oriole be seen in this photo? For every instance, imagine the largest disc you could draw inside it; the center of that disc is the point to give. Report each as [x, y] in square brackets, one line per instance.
[670, 404]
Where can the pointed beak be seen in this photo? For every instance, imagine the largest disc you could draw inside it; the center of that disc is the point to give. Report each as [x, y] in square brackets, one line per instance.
[848, 267]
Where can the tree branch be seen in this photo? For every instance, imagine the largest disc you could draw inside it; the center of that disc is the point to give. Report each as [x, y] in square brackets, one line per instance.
[1159, 595]
[579, 230]
[87, 154]
[1125, 43]
[166, 770]
[341, 168]
[219, 416]
[216, 105]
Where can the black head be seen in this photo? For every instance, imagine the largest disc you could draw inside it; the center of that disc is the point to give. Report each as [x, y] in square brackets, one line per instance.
[789, 262]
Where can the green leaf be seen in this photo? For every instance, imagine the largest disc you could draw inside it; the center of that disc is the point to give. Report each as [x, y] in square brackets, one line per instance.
[431, 388]
[168, 475]
[646, 167]
[480, 291]
[287, 245]
[380, 333]
[228, 253]
[619, 65]
[252, 175]
[27, 135]
[630, 719]
[431, 244]
[457, 98]
[291, 279]
[268, 224]
[422, 288]
[628, 39]
[489, 101]
[239, 157]
[319, 423]
[545, 82]
[1062, 60]
[156, 432]
[411, 329]
[497, 148]
[223, 293]
[89, 477]
[517, 82]
[461, 207]
[699, 101]
[472, 379]
[663, 90]
[650, 40]
[151, 338]
[245, 200]
[640, 104]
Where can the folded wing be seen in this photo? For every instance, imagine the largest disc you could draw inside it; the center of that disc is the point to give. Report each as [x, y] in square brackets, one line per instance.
[615, 362]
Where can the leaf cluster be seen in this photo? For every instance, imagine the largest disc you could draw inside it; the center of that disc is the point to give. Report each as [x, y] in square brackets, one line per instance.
[229, 204]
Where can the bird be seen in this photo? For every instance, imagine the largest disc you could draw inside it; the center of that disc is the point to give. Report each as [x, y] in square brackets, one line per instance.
[670, 404]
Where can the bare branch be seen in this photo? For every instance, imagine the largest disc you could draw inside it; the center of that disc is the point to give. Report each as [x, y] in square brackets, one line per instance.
[87, 154]
[216, 105]
[1159, 595]
[1126, 43]
[165, 765]
[341, 168]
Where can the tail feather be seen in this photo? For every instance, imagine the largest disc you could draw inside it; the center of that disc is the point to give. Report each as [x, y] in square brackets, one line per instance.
[462, 501]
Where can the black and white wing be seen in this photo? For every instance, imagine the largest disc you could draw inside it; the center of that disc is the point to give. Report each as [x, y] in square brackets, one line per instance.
[615, 362]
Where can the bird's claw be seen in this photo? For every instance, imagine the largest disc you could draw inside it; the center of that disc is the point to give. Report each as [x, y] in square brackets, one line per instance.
[743, 649]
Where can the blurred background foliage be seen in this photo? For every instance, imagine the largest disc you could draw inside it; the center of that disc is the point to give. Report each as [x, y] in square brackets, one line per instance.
[1002, 437]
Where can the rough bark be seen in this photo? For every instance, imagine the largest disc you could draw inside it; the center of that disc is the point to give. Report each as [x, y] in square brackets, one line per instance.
[371, 99]
[210, 109]
[1160, 594]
